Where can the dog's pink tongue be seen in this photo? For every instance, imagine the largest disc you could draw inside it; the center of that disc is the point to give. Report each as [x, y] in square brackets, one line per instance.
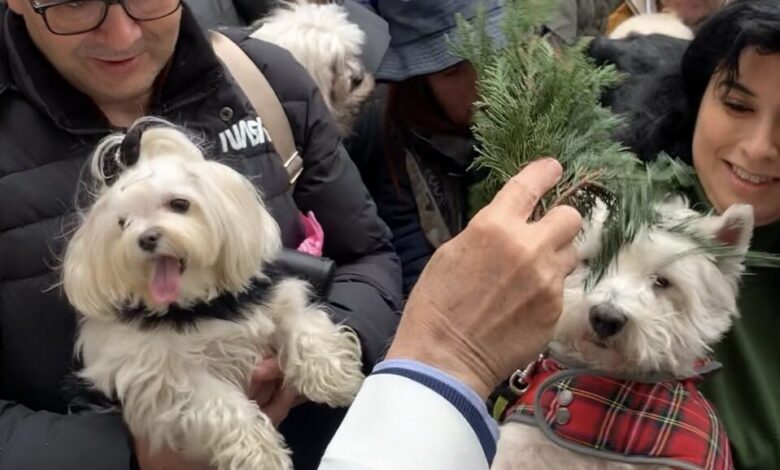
[166, 282]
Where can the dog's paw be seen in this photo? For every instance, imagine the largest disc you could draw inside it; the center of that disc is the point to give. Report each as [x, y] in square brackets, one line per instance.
[327, 368]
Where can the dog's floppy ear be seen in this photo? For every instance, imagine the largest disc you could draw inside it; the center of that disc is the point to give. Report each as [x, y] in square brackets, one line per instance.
[733, 228]
[234, 200]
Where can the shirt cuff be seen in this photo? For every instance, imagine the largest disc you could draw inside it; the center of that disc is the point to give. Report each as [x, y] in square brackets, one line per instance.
[468, 403]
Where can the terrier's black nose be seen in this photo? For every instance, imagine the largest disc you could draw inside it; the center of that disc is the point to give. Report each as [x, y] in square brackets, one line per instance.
[607, 320]
[148, 240]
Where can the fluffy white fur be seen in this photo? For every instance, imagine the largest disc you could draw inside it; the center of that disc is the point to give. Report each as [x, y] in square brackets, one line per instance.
[667, 328]
[653, 23]
[186, 389]
[328, 46]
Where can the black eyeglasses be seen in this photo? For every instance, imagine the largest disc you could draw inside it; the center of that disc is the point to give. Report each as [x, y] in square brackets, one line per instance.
[68, 17]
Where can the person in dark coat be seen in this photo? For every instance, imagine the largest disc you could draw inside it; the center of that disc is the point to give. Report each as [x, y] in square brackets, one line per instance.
[413, 143]
[65, 85]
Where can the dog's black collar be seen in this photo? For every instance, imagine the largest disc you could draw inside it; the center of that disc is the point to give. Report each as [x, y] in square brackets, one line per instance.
[228, 307]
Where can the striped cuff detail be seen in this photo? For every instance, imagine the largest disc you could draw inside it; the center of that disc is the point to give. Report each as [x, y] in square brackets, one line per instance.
[464, 399]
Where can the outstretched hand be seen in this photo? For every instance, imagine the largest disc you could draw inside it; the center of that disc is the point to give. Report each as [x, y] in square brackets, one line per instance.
[489, 299]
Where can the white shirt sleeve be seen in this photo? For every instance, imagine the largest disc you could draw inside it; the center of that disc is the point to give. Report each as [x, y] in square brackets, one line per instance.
[408, 417]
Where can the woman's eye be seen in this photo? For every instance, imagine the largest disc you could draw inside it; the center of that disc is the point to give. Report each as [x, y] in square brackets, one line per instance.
[737, 107]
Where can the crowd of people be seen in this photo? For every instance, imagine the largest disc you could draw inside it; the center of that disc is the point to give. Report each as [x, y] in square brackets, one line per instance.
[392, 202]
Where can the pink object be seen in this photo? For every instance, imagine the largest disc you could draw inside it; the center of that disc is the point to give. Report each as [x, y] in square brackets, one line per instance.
[315, 237]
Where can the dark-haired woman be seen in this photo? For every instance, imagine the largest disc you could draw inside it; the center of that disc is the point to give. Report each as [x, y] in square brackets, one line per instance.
[414, 146]
[720, 110]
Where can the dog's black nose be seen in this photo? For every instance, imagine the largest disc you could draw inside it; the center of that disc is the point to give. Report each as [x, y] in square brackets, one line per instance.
[148, 240]
[607, 320]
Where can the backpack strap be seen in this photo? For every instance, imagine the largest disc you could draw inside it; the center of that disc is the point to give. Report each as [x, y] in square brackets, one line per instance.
[263, 98]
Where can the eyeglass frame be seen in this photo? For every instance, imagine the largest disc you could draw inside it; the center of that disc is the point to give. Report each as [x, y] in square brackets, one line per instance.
[41, 10]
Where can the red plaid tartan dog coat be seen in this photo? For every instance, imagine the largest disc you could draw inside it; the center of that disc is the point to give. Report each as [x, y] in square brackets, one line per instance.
[667, 422]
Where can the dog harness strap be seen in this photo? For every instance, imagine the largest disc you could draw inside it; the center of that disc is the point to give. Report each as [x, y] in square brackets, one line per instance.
[666, 423]
[263, 98]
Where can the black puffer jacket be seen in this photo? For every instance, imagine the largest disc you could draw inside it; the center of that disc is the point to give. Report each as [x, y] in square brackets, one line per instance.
[47, 131]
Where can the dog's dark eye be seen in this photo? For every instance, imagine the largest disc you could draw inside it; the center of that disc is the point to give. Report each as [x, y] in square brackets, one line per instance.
[585, 262]
[661, 282]
[122, 223]
[356, 81]
[179, 205]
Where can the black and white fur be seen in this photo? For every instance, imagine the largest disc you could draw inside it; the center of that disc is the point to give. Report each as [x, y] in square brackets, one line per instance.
[168, 273]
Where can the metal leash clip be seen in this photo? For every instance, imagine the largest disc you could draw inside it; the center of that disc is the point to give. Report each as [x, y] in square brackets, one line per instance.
[518, 383]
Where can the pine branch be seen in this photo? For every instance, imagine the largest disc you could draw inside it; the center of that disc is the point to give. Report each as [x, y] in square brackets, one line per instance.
[537, 101]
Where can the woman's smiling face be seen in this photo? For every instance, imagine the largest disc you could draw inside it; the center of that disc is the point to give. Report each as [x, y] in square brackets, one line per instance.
[736, 143]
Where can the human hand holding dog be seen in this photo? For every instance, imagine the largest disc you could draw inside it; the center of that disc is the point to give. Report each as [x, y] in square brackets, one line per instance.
[488, 300]
[267, 390]
[165, 459]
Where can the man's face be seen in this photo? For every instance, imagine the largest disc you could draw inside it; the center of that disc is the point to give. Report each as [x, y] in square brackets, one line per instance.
[114, 64]
[692, 12]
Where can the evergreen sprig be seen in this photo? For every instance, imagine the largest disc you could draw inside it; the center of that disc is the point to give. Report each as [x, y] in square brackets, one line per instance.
[537, 100]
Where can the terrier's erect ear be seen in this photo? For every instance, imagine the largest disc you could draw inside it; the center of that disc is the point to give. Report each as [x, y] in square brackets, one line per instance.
[733, 228]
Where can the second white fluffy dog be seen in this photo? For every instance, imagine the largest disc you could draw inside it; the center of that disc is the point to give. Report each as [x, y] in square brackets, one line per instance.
[328, 45]
[167, 272]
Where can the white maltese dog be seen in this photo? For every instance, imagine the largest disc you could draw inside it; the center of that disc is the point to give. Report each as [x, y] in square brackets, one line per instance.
[167, 273]
[618, 388]
[328, 46]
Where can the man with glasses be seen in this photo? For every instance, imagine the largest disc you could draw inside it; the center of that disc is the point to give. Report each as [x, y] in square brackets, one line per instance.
[71, 72]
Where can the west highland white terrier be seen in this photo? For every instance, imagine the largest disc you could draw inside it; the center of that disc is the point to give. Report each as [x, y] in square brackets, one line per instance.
[328, 45]
[618, 388]
[167, 273]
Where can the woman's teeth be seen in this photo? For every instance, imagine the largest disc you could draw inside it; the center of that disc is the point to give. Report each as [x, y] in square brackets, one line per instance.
[747, 176]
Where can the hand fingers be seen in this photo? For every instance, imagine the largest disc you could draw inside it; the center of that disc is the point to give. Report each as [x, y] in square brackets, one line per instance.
[286, 397]
[266, 379]
[263, 392]
[280, 404]
[268, 369]
[521, 194]
[560, 225]
[568, 259]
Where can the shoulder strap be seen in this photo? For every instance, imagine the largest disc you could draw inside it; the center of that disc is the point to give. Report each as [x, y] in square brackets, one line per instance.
[263, 98]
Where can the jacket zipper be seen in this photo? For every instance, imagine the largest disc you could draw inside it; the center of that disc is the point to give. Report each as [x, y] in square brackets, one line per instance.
[165, 110]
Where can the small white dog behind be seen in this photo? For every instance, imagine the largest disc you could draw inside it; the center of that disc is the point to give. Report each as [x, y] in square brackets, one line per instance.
[167, 272]
[619, 388]
[328, 45]
[667, 24]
